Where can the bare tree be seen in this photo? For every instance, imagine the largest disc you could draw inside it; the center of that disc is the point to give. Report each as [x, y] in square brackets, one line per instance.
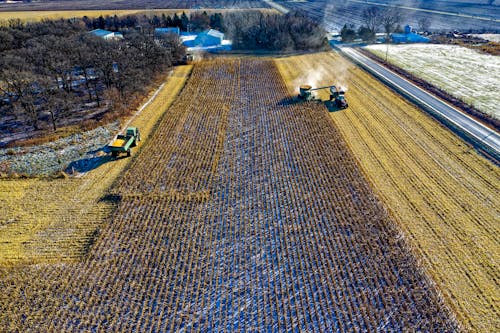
[59, 103]
[6, 40]
[23, 94]
[424, 23]
[50, 57]
[390, 19]
[19, 82]
[173, 44]
[372, 17]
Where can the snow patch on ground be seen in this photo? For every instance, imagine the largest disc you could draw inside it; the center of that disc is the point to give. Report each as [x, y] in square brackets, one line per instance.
[489, 37]
[462, 72]
[55, 156]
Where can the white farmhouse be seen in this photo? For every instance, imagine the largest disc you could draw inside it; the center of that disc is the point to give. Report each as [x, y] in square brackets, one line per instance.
[107, 35]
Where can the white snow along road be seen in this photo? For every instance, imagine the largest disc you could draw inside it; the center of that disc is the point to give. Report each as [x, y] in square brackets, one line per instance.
[474, 132]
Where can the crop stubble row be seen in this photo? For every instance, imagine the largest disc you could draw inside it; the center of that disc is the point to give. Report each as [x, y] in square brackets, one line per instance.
[461, 244]
[442, 194]
[289, 237]
[189, 139]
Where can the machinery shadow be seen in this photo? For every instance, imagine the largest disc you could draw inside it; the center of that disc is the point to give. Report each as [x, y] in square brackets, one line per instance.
[331, 107]
[291, 100]
[98, 158]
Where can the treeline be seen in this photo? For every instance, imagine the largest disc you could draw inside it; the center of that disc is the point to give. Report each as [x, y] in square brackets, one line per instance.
[54, 71]
[196, 21]
[376, 20]
[274, 32]
[249, 30]
[349, 33]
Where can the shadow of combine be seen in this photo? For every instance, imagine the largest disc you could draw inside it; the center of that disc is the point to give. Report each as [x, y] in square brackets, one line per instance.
[294, 100]
[289, 101]
[332, 107]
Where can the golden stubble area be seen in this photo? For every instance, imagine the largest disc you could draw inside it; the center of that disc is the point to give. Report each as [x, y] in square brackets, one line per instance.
[443, 195]
[57, 220]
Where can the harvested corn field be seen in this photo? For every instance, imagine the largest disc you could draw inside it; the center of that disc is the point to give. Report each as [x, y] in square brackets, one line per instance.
[57, 220]
[244, 212]
[443, 195]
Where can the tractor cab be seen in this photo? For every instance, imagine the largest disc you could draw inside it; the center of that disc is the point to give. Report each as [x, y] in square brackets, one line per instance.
[340, 101]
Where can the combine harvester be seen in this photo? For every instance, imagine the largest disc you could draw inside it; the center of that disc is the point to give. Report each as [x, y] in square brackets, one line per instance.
[336, 94]
[123, 142]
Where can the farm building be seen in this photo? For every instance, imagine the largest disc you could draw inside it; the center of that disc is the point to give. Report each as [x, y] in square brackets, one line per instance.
[209, 38]
[167, 30]
[212, 40]
[408, 37]
[108, 35]
[188, 38]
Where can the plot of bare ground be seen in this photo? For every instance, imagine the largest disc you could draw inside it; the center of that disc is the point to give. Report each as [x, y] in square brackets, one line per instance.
[244, 212]
[442, 194]
[34, 15]
[126, 4]
[57, 220]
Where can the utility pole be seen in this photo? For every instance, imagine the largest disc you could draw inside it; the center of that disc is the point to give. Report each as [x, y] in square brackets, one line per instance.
[387, 49]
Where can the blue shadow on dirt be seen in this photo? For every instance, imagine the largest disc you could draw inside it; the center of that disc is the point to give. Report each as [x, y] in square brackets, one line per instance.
[330, 105]
[291, 100]
[96, 159]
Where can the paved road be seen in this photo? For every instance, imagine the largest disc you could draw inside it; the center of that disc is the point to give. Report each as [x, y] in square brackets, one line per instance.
[473, 131]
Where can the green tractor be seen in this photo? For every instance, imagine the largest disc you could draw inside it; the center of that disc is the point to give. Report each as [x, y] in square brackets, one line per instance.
[123, 142]
[336, 94]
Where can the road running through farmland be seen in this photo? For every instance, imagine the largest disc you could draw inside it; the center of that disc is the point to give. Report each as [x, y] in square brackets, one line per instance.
[276, 6]
[440, 12]
[475, 131]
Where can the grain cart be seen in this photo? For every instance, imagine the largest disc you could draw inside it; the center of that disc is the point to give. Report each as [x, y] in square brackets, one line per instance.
[123, 142]
[336, 94]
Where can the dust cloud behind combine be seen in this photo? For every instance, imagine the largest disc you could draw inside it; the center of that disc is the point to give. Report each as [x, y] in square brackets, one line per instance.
[318, 75]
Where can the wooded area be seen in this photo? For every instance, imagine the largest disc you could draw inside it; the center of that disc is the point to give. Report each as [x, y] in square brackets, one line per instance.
[194, 22]
[291, 32]
[54, 72]
[376, 20]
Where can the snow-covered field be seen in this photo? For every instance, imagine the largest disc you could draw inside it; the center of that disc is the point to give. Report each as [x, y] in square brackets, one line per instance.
[49, 158]
[490, 37]
[464, 73]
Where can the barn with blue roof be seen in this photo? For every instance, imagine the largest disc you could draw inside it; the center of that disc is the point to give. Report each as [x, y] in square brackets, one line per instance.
[209, 38]
[408, 37]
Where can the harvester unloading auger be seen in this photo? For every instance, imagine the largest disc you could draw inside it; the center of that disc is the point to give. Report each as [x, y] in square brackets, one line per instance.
[336, 94]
